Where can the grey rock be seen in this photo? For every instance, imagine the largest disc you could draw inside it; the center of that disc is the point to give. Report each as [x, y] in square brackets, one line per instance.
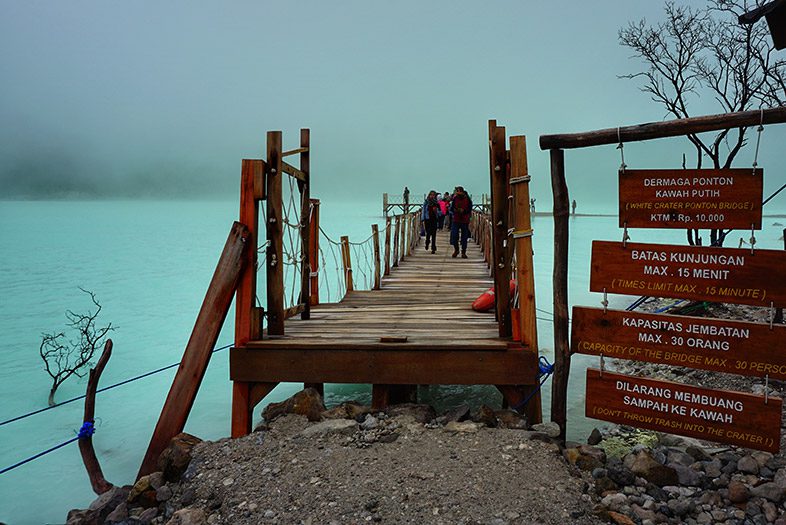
[188, 516]
[459, 413]
[687, 476]
[331, 426]
[510, 419]
[698, 453]
[164, 493]
[485, 415]
[369, 423]
[595, 437]
[148, 515]
[174, 460]
[118, 515]
[770, 511]
[681, 508]
[679, 457]
[770, 491]
[713, 468]
[644, 465]
[614, 501]
[549, 428]
[463, 426]
[748, 465]
[421, 413]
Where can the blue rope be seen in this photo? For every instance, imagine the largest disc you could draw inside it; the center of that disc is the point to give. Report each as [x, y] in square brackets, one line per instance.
[87, 430]
[545, 369]
[142, 376]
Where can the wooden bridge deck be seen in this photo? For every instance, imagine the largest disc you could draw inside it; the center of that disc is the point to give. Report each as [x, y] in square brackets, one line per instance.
[427, 300]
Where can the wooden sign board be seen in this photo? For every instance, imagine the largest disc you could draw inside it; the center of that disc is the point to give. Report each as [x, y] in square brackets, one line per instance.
[700, 273]
[664, 406]
[720, 345]
[696, 198]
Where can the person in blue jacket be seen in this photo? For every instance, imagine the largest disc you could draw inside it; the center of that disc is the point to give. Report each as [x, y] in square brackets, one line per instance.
[429, 215]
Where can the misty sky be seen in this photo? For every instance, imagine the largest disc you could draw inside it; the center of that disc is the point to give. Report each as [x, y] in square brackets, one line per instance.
[162, 99]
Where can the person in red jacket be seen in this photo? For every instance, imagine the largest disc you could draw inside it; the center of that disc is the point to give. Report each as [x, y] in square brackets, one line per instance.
[461, 211]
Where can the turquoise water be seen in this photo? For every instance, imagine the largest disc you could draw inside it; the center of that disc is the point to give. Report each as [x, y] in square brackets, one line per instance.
[149, 264]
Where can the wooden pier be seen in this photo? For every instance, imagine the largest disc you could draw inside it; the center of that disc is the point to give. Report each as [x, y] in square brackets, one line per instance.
[399, 316]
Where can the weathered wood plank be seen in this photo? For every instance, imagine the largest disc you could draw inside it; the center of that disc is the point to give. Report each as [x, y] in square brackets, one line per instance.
[200, 346]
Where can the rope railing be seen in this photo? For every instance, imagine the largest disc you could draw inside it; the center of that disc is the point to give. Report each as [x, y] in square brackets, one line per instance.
[87, 429]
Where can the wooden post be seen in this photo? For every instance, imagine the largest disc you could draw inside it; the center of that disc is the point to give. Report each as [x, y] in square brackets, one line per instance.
[200, 346]
[275, 251]
[385, 204]
[559, 385]
[499, 214]
[412, 233]
[779, 311]
[313, 251]
[404, 228]
[305, 231]
[396, 240]
[377, 262]
[346, 260]
[388, 227]
[522, 237]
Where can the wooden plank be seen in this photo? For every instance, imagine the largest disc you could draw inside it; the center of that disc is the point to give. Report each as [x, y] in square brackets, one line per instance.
[735, 418]
[200, 346]
[669, 128]
[295, 172]
[691, 272]
[461, 367]
[721, 345]
[309, 258]
[695, 198]
[274, 267]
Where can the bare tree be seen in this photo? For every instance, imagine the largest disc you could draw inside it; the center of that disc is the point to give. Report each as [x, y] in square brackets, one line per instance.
[705, 52]
[63, 356]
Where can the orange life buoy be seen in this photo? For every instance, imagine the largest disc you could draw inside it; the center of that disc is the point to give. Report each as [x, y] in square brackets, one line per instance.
[485, 302]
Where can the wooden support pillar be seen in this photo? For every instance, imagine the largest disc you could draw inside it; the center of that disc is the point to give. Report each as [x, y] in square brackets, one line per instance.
[313, 252]
[499, 213]
[275, 253]
[388, 227]
[377, 261]
[779, 311]
[559, 386]
[305, 231]
[396, 240]
[522, 238]
[200, 346]
[385, 204]
[404, 230]
[346, 261]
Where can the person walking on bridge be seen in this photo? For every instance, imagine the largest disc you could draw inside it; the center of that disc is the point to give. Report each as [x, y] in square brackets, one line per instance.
[461, 208]
[429, 215]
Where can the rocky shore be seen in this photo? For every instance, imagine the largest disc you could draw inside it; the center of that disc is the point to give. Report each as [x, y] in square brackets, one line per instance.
[309, 465]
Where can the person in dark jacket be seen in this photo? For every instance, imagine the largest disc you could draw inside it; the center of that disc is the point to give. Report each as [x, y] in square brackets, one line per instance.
[429, 215]
[461, 211]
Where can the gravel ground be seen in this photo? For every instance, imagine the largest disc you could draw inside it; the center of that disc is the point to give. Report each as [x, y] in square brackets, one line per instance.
[418, 475]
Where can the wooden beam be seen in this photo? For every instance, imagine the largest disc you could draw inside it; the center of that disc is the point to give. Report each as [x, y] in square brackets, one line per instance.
[295, 172]
[346, 262]
[274, 264]
[669, 128]
[400, 367]
[388, 228]
[525, 270]
[200, 346]
[377, 261]
[292, 311]
[301, 150]
[313, 251]
[305, 224]
[499, 213]
[396, 240]
[559, 384]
